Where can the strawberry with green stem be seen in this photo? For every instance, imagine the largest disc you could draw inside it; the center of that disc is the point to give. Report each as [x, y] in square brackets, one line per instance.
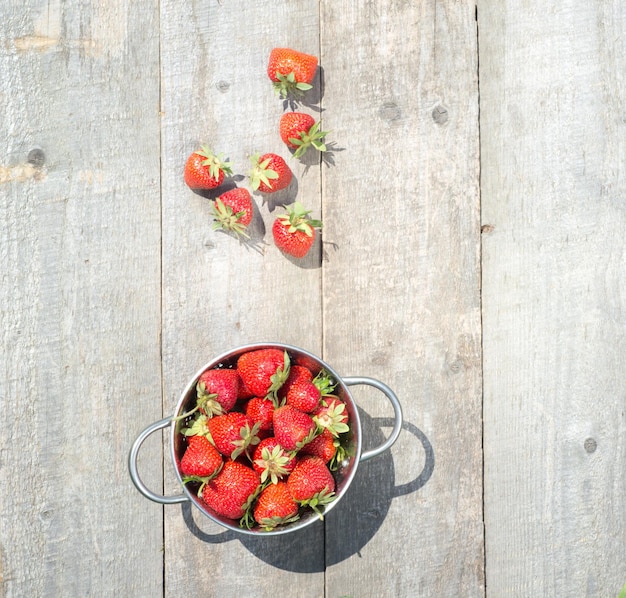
[264, 371]
[201, 461]
[299, 131]
[275, 507]
[293, 428]
[294, 231]
[233, 490]
[331, 414]
[291, 71]
[233, 211]
[233, 433]
[204, 170]
[311, 484]
[269, 173]
[271, 461]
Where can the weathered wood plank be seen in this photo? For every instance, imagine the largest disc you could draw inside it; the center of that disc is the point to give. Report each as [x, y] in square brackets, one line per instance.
[219, 293]
[552, 130]
[402, 290]
[79, 297]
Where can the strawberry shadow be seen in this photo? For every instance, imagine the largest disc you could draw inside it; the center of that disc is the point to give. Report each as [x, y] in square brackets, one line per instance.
[350, 525]
[228, 184]
[281, 198]
[311, 99]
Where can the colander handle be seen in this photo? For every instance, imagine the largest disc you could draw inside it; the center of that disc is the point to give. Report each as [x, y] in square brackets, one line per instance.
[397, 427]
[134, 473]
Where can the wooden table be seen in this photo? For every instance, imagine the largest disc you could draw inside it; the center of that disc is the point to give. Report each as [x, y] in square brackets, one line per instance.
[474, 208]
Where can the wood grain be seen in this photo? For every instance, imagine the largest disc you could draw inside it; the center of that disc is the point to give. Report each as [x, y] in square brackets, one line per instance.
[552, 147]
[219, 293]
[401, 291]
[79, 316]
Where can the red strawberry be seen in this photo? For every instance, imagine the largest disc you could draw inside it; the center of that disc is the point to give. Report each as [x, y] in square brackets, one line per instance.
[269, 173]
[311, 483]
[291, 71]
[260, 409]
[293, 428]
[270, 460]
[294, 232]
[201, 459]
[217, 391]
[304, 396]
[233, 211]
[331, 414]
[232, 491]
[275, 507]
[232, 433]
[263, 371]
[323, 446]
[299, 131]
[205, 170]
[297, 373]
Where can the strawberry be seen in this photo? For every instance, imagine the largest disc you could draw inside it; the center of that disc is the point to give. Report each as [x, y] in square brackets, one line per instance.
[205, 170]
[263, 371]
[260, 409]
[304, 396]
[233, 211]
[292, 72]
[311, 483]
[269, 173]
[293, 428]
[233, 433]
[201, 460]
[232, 491]
[297, 373]
[299, 131]
[199, 426]
[331, 414]
[294, 232]
[275, 507]
[323, 446]
[270, 460]
[217, 391]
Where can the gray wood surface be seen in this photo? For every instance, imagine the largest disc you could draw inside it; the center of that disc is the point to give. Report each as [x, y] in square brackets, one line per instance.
[505, 344]
[402, 291]
[552, 153]
[217, 292]
[80, 294]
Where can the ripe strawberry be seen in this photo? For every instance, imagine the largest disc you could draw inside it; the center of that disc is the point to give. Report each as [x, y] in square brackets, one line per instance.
[304, 396]
[294, 232]
[201, 459]
[323, 446]
[269, 173]
[260, 409]
[263, 371]
[293, 428]
[331, 414]
[232, 491]
[325, 382]
[275, 507]
[270, 460]
[205, 170]
[217, 391]
[233, 211]
[297, 373]
[291, 71]
[311, 483]
[232, 433]
[299, 131]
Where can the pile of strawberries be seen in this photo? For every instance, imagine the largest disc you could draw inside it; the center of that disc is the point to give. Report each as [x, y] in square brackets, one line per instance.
[294, 231]
[263, 439]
